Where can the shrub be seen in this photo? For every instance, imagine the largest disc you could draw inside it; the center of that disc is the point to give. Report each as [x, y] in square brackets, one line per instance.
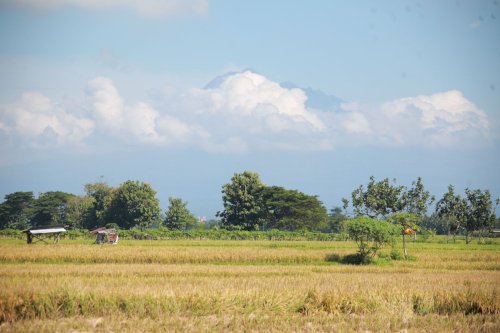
[371, 234]
[396, 255]
[357, 259]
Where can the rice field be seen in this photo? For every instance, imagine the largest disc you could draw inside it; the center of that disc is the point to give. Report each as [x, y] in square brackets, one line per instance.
[232, 286]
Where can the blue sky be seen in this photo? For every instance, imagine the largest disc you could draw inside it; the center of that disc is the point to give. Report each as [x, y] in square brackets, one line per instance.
[120, 90]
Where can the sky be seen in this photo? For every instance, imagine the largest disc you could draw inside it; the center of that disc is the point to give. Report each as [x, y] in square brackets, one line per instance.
[313, 95]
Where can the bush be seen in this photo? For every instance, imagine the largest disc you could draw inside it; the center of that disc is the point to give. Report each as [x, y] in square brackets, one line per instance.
[396, 255]
[357, 259]
[371, 234]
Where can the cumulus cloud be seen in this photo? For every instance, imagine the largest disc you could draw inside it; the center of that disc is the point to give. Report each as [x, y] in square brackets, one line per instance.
[249, 111]
[139, 123]
[36, 121]
[241, 112]
[253, 95]
[442, 119]
[356, 123]
[143, 7]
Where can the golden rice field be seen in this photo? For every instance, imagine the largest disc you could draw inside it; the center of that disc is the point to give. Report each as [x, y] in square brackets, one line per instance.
[251, 286]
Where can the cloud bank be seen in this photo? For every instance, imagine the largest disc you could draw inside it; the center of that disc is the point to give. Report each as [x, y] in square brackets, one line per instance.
[241, 112]
[36, 121]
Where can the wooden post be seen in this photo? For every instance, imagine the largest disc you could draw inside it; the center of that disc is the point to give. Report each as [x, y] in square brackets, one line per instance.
[404, 244]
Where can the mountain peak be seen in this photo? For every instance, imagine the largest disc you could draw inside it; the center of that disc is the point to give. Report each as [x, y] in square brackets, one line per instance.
[317, 99]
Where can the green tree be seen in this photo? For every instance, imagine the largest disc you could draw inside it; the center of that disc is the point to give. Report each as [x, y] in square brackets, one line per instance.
[16, 210]
[379, 199]
[384, 198]
[102, 195]
[50, 208]
[335, 220]
[433, 223]
[417, 200]
[78, 212]
[292, 210]
[178, 216]
[134, 204]
[480, 212]
[242, 200]
[452, 210]
[212, 224]
[370, 234]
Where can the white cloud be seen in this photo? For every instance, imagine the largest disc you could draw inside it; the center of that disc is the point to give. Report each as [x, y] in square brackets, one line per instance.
[440, 119]
[36, 121]
[143, 7]
[238, 113]
[253, 95]
[248, 111]
[356, 123]
[140, 123]
[107, 104]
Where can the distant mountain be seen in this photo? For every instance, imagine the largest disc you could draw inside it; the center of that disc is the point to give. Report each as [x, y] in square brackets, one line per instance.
[216, 83]
[317, 99]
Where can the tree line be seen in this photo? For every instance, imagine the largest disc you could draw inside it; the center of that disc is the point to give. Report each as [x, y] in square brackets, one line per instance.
[250, 205]
[408, 207]
[132, 204]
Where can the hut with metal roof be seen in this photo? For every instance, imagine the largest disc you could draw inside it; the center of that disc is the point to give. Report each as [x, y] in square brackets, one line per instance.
[44, 234]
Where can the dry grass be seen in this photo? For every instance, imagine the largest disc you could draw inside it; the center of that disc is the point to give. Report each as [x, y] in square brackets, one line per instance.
[245, 286]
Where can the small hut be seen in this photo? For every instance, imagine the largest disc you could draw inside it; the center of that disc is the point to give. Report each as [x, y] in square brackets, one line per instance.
[44, 234]
[105, 235]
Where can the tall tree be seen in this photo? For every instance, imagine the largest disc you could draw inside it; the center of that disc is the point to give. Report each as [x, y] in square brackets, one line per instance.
[335, 220]
[417, 200]
[178, 216]
[293, 210]
[50, 208]
[242, 200]
[134, 204]
[452, 209]
[78, 212]
[480, 213]
[383, 198]
[102, 194]
[16, 210]
[379, 199]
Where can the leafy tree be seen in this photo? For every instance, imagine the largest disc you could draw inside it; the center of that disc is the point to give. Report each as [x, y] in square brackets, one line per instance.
[371, 234]
[134, 204]
[380, 199]
[408, 222]
[433, 223]
[242, 200]
[78, 212]
[335, 220]
[16, 210]
[383, 198]
[452, 209]
[212, 224]
[292, 210]
[102, 195]
[178, 217]
[417, 200]
[50, 208]
[480, 213]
